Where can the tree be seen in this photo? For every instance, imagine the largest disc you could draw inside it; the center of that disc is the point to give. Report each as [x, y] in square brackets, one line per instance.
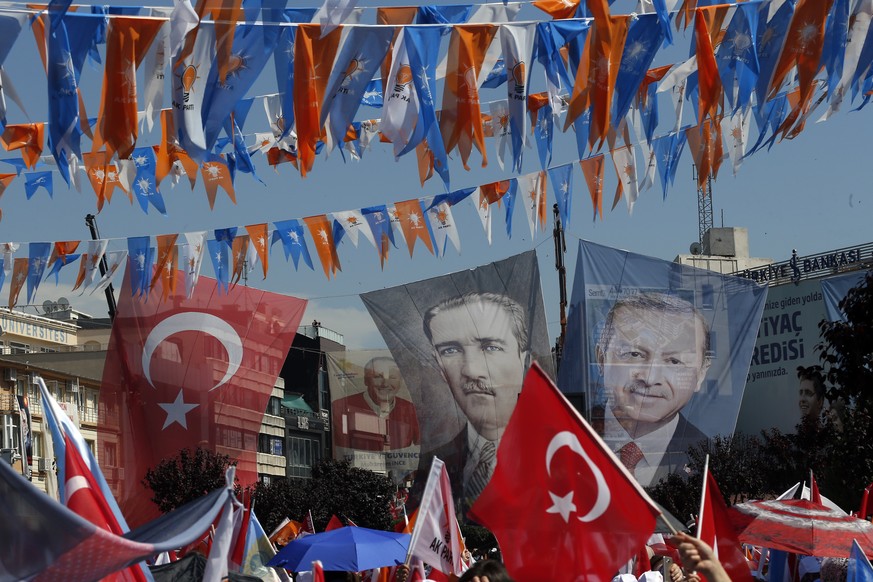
[847, 348]
[186, 477]
[336, 488]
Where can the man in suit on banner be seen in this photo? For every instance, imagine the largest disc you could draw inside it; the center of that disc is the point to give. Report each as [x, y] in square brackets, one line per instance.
[480, 342]
[653, 355]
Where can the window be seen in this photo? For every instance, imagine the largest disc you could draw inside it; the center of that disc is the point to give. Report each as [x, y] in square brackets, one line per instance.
[273, 406]
[19, 348]
[38, 446]
[10, 432]
[109, 455]
[271, 445]
[303, 454]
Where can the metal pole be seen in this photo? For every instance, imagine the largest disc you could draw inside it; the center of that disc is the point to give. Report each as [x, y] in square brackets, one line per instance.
[560, 251]
[91, 221]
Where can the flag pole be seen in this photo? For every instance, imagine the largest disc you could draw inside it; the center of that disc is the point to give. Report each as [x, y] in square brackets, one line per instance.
[702, 496]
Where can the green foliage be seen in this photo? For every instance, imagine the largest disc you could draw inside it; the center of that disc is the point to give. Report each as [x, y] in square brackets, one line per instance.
[336, 488]
[185, 477]
[479, 540]
[847, 348]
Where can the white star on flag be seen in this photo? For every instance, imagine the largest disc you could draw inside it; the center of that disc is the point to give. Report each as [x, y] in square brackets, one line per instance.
[177, 411]
[562, 505]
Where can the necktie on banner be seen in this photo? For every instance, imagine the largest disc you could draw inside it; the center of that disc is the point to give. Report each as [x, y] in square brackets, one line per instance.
[190, 372]
[436, 538]
[558, 491]
[484, 469]
[630, 455]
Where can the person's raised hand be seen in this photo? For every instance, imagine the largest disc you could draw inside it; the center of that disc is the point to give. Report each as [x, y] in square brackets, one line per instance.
[696, 555]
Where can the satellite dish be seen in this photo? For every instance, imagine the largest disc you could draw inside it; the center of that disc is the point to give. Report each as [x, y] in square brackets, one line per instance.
[63, 303]
[696, 248]
[48, 306]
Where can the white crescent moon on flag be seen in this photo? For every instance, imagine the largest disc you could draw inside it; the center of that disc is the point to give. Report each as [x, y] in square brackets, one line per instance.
[568, 439]
[199, 322]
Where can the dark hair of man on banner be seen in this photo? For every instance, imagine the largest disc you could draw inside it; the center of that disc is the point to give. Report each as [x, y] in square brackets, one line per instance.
[374, 424]
[657, 354]
[463, 343]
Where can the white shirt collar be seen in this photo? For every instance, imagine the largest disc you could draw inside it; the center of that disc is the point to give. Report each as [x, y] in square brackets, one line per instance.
[653, 445]
[377, 410]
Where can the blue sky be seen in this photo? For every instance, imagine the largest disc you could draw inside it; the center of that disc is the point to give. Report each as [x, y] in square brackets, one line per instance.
[811, 193]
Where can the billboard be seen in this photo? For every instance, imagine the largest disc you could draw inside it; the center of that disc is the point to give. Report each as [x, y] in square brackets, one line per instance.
[375, 425]
[657, 354]
[778, 390]
[463, 343]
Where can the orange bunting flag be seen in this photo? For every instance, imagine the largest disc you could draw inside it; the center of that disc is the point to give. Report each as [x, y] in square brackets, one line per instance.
[216, 173]
[276, 156]
[425, 161]
[27, 137]
[652, 76]
[592, 169]
[169, 153]
[685, 12]
[413, 224]
[313, 60]
[127, 41]
[558, 9]
[5, 180]
[240, 249]
[167, 255]
[19, 277]
[321, 231]
[598, 71]
[804, 42]
[103, 177]
[62, 249]
[261, 242]
[535, 102]
[707, 151]
[710, 89]
[461, 118]
[226, 14]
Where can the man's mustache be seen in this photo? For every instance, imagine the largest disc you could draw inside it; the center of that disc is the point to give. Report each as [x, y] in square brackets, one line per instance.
[476, 387]
[643, 387]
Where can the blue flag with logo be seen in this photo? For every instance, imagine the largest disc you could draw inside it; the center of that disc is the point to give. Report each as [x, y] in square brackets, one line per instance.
[380, 223]
[769, 42]
[638, 324]
[291, 233]
[668, 149]
[226, 235]
[509, 200]
[372, 96]
[561, 178]
[769, 117]
[543, 131]
[448, 14]
[551, 37]
[142, 259]
[833, 54]
[219, 253]
[644, 38]
[33, 181]
[283, 61]
[422, 48]
[59, 263]
[145, 184]
[38, 255]
[359, 59]
[253, 44]
[737, 55]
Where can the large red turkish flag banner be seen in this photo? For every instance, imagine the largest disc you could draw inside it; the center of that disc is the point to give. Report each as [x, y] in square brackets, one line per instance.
[182, 373]
[560, 504]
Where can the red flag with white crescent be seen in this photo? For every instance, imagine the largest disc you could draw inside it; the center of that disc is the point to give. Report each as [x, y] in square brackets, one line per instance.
[559, 500]
[189, 372]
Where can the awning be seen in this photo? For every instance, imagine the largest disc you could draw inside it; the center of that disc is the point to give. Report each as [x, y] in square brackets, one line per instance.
[296, 402]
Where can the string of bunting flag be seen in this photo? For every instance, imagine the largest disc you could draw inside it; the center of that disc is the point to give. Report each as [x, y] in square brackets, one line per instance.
[752, 59]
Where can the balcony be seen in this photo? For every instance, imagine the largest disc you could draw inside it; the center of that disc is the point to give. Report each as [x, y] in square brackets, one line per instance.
[317, 331]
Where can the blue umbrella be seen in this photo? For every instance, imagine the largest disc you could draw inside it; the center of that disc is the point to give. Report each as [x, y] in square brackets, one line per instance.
[346, 549]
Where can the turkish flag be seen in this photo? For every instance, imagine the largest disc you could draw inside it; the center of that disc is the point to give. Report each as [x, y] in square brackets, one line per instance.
[560, 503]
[715, 528]
[182, 373]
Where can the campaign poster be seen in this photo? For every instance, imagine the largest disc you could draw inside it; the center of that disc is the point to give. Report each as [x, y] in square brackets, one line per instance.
[375, 425]
[783, 386]
[463, 343]
[657, 354]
